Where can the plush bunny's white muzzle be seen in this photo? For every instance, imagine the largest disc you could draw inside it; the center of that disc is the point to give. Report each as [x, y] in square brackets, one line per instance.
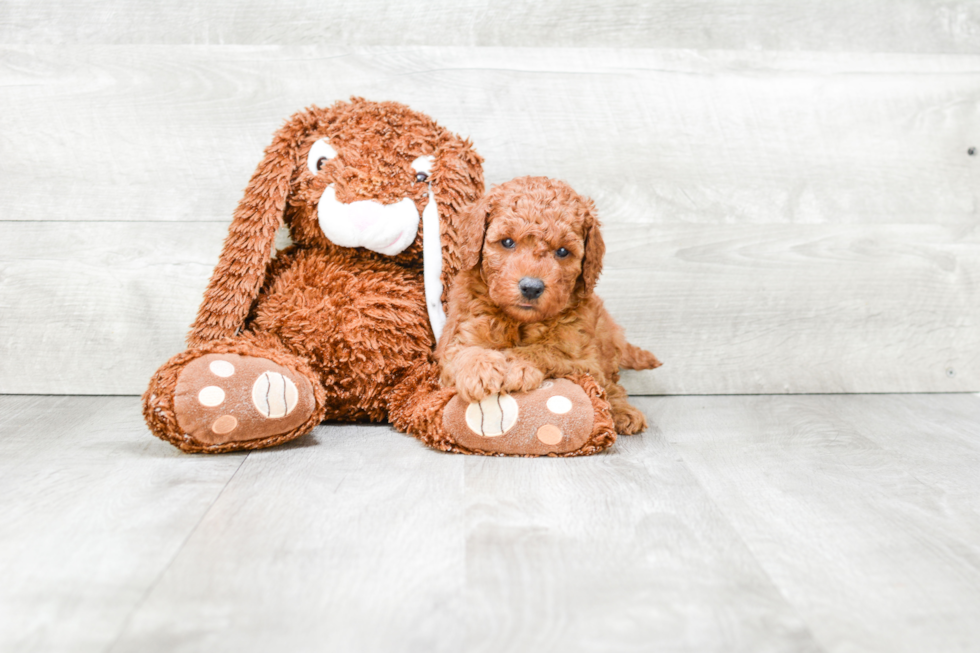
[389, 229]
[383, 228]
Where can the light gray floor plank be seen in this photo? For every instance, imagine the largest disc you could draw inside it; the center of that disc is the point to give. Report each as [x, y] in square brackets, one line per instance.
[350, 539]
[878, 549]
[618, 552]
[769, 523]
[936, 438]
[92, 509]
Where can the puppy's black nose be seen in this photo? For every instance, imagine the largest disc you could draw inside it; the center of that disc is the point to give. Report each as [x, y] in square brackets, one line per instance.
[531, 287]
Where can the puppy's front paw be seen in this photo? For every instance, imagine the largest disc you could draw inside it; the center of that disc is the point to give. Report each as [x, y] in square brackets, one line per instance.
[522, 376]
[480, 373]
[629, 420]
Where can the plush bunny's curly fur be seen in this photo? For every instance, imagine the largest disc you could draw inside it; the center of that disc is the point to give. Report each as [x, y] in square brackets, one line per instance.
[345, 323]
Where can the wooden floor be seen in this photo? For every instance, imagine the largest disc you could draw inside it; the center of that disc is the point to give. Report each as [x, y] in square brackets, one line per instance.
[739, 523]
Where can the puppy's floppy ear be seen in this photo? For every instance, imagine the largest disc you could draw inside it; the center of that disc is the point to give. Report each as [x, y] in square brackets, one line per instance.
[595, 249]
[472, 230]
[241, 270]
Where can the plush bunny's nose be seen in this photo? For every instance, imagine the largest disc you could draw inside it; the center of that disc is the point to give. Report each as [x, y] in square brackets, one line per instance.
[531, 287]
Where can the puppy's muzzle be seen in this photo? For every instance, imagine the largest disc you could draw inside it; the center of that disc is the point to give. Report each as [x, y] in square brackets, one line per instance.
[531, 287]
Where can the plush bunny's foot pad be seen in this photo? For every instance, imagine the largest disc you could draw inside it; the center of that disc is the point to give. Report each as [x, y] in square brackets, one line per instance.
[223, 398]
[555, 419]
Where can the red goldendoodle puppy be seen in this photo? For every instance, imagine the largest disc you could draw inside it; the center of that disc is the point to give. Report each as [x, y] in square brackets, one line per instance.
[525, 309]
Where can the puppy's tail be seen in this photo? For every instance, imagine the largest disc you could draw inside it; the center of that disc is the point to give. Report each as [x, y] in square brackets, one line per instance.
[635, 358]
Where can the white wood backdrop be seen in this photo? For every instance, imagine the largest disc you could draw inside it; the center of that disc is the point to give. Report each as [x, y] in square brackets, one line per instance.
[796, 219]
[937, 26]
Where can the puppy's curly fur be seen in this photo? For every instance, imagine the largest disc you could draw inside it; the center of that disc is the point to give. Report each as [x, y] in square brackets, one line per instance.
[501, 337]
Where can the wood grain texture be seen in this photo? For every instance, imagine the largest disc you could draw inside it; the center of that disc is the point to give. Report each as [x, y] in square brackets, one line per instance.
[92, 510]
[938, 439]
[617, 552]
[101, 320]
[876, 545]
[750, 309]
[867, 25]
[771, 523]
[798, 308]
[347, 540]
[173, 133]
[777, 222]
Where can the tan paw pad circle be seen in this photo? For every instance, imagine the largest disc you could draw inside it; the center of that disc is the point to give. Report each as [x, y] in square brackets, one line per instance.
[211, 396]
[493, 416]
[274, 395]
[549, 434]
[224, 424]
[221, 368]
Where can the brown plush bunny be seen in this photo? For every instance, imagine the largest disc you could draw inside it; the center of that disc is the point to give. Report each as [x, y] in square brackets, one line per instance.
[328, 328]
[342, 324]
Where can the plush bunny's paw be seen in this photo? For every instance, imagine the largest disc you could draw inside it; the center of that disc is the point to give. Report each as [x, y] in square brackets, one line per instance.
[222, 398]
[556, 418]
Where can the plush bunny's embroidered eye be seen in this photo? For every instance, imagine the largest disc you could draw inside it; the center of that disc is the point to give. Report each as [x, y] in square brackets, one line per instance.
[423, 168]
[320, 153]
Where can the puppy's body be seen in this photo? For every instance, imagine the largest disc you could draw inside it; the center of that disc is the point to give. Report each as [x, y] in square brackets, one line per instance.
[525, 309]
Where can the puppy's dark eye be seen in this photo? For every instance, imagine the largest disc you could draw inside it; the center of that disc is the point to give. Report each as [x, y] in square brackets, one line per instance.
[322, 161]
[561, 252]
[508, 243]
[421, 176]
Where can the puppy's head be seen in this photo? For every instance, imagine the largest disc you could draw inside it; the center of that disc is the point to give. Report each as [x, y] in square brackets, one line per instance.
[540, 246]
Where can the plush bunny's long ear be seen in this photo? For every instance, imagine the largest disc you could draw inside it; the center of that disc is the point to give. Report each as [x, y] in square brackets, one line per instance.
[241, 270]
[457, 182]
[595, 249]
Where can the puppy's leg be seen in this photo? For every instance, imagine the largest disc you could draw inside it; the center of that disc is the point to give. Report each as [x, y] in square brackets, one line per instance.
[476, 373]
[521, 376]
[635, 358]
[629, 419]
